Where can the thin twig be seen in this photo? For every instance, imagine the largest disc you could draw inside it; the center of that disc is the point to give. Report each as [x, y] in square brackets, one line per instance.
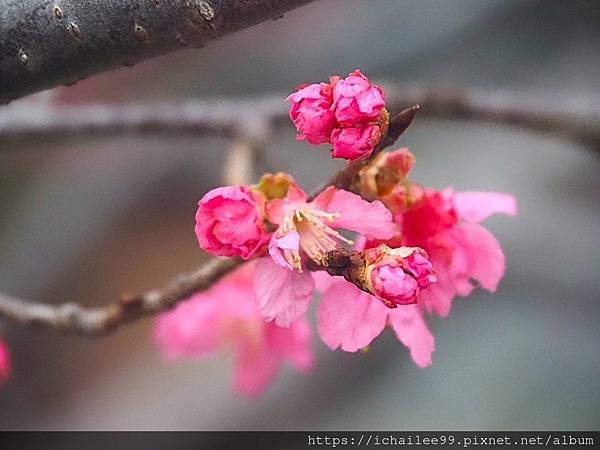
[75, 318]
[78, 319]
[578, 118]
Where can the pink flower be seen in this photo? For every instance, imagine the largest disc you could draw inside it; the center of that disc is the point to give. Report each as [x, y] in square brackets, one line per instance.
[349, 113]
[356, 142]
[226, 316]
[446, 225]
[309, 230]
[311, 113]
[5, 364]
[350, 319]
[355, 100]
[397, 275]
[229, 222]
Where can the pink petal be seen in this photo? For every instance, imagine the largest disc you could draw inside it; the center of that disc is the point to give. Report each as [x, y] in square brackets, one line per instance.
[293, 343]
[282, 295]
[369, 218]
[485, 257]
[254, 370]
[323, 280]
[412, 331]
[438, 297]
[192, 329]
[5, 364]
[349, 318]
[279, 246]
[478, 206]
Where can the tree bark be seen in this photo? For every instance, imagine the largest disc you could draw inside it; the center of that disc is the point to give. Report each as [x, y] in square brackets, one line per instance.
[44, 43]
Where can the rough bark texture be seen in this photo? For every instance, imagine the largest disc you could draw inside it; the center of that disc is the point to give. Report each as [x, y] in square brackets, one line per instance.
[44, 43]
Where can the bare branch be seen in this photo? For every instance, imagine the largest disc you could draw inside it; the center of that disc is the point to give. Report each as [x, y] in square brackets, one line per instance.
[578, 119]
[75, 318]
[45, 43]
[580, 123]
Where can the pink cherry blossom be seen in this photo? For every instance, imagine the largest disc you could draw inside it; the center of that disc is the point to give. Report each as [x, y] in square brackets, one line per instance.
[226, 317]
[445, 225]
[355, 142]
[312, 114]
[229, 222]
[5, 363]
[356, 101]
[309, 230]
[350, 319]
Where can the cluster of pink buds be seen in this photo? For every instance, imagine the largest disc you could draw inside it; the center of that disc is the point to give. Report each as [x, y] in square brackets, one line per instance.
[349, 113]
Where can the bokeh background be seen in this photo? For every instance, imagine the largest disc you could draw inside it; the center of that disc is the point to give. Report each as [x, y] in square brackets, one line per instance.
[88, 219]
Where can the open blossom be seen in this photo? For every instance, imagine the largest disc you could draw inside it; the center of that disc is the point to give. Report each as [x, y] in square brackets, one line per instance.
[229, 222]
[309, 230]
[459, 252]
[5, 364]
[446, 225]
[443, 223]
[350, 319]
[226, 317]
[348, 112]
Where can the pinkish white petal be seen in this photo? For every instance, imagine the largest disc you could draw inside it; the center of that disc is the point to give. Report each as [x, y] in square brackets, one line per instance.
[282, 295]
[478, 206]
[349, 318]
[281, 249]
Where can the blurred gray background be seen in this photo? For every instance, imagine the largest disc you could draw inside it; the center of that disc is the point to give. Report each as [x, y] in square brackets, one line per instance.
[91, 218]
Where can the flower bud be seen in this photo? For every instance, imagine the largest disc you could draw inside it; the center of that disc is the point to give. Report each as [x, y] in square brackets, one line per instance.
[385, 179]
[392, 284]
[312, 114]
[355, 100]
[354, 143]
[397, 275]
[229, 222]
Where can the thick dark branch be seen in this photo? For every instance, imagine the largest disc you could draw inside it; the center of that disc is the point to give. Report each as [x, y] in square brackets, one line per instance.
[44, 43]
